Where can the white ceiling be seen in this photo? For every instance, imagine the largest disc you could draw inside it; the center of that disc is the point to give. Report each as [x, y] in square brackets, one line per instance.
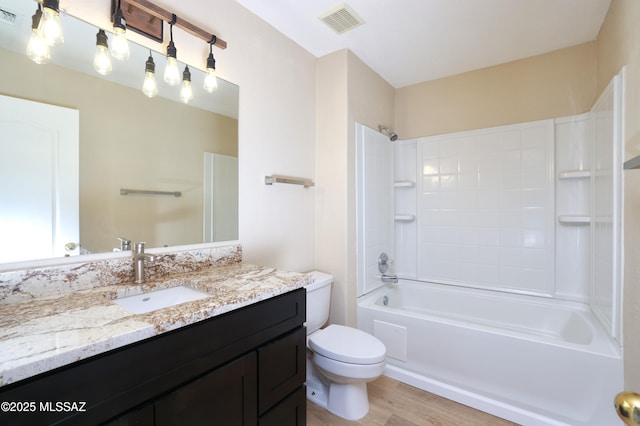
[411, 41]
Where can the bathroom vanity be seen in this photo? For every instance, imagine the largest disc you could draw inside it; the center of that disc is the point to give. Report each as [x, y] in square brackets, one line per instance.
[237, 357]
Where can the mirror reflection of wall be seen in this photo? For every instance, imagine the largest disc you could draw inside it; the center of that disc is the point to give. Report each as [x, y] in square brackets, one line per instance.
[130, 141]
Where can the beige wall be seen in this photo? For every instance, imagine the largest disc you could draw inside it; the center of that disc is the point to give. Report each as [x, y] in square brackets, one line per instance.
[618, 45]
[115, 144]
[332, 165]
[556, 84]
[348, 92]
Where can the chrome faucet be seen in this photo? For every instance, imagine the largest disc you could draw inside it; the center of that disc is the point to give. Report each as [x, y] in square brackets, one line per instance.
[139, 257]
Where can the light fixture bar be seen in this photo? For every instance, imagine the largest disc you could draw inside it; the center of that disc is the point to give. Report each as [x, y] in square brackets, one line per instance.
[167, 16]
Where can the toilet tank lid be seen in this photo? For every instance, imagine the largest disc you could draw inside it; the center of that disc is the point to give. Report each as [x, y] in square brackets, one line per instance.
[347, 344]
[320, 279]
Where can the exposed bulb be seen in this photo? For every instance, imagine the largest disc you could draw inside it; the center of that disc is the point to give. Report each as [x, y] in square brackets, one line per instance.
[186, 92]
[210, 80]
[102, 61]
[37, 48]
[150, 84]
[119, 45]
[50, 27]
[172, 72]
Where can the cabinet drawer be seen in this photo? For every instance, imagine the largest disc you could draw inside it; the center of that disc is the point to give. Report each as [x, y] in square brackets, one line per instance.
[225, 396]
[281, 368]
[292, 411]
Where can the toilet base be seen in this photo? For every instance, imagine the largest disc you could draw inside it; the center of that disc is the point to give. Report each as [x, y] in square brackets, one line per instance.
[349, 401]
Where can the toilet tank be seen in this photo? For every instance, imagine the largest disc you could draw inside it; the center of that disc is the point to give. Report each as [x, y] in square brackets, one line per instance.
[318, 301]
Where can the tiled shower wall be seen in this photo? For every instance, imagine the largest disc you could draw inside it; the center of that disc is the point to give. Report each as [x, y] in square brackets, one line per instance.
[485, 208]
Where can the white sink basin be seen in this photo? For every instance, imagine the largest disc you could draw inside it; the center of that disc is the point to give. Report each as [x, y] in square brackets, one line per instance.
[147, 302]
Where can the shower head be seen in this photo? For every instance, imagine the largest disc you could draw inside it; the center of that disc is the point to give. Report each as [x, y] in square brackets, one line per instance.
[386, 131]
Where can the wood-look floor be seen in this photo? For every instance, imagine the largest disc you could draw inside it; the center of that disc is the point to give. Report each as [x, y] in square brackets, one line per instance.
[393, 403]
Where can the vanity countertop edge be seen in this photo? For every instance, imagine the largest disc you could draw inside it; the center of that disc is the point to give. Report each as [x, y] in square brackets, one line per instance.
[45, 333]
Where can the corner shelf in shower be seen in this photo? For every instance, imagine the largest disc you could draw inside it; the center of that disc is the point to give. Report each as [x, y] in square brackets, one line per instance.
[574, 219]
[404, 184]
[574, 174]
[404, 218]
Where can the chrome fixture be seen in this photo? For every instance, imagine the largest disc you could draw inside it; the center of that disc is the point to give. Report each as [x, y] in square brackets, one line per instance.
[125, 244]
[389, 278]
[139, 257]
[383, 265]
[306, 183]
[386, 131]
[383, 262]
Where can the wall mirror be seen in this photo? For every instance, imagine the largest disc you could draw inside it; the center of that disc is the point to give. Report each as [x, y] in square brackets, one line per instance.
[125, 141]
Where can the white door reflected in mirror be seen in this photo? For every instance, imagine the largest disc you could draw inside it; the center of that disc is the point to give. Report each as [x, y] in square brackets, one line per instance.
[38, 180]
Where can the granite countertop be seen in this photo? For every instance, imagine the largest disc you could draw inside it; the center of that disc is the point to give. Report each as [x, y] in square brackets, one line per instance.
[47, 332]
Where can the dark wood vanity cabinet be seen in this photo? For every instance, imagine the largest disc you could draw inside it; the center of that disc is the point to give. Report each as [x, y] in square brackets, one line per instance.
[245, 367]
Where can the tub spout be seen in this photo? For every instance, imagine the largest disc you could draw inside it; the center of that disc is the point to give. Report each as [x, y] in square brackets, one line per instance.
[389, 278]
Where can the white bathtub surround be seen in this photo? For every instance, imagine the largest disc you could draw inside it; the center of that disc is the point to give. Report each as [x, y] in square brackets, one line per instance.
[531, 360]
[527, 216]
[50, 330]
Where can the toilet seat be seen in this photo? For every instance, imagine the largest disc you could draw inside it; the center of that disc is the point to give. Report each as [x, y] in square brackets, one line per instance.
[346, 344]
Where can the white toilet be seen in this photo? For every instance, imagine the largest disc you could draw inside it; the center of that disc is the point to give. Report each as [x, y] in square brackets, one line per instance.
[341, 360]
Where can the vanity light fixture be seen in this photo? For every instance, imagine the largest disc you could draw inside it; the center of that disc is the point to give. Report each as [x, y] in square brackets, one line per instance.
[150, 84]
[50, 23]
[37, 49]
[186, 93]
[171, 71]
[119, 44]
[210, 80]
[102, 61]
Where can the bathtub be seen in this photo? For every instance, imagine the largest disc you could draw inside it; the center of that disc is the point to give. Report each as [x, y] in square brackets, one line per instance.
[531, 360]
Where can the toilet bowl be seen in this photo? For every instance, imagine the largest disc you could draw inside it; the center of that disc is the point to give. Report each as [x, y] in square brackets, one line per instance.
[341, 360]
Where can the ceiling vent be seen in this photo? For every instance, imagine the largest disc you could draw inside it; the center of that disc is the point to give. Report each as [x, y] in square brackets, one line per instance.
[7, 17]
[341, 19]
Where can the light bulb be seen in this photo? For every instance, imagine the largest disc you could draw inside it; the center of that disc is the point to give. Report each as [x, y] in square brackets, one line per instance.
[186, 92]
[102, 61]
[150, 85]
[119, 44]
[210, 81]
[37, 48]
[172, 72]
[50, 26]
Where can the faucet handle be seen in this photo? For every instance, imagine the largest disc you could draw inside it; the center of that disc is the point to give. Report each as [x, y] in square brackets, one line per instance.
[125, 244]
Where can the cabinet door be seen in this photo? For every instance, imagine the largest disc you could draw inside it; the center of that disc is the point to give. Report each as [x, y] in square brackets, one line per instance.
[226, 396]
[282, 368]
[142, 416]
[292, 411]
